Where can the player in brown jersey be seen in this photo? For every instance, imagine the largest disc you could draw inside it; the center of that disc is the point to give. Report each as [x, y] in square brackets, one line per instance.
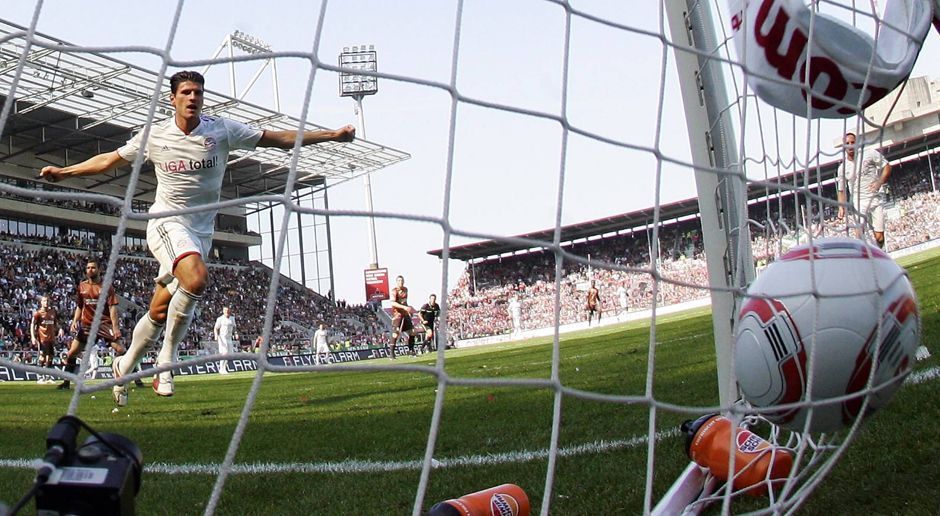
[43, 330]
[86, 299]
[593, 303]
[401, 316]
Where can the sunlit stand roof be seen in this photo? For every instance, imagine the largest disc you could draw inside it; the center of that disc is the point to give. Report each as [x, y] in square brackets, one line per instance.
[71, 105]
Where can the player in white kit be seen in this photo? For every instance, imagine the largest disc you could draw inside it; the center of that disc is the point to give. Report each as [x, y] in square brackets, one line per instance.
[624, 300]
[863, 172]
[515, 314]
[225, 335]
[322, 346]
[189, 152]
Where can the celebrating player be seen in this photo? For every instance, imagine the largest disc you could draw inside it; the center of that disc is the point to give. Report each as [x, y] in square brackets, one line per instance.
[86, 300]
[43, 329]
[189, 152]
[428, 314]
[401, 316]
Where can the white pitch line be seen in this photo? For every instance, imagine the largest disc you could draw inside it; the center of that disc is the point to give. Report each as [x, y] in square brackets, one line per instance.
[366, 466]
[924, 376]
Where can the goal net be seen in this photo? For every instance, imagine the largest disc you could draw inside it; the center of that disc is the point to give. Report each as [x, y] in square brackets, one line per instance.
[717, 95]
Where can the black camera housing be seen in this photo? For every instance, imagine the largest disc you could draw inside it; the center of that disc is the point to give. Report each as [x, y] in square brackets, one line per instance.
[100, 478]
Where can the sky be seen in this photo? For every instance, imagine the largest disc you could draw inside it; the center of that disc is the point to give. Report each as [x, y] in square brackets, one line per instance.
[507, 167]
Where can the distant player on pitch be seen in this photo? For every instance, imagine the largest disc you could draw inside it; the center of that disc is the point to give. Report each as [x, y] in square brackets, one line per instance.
[593, 303]
[43, 329]
[401, 316]
[429, 313]
[515, 315]
[624, 299]
[189, 152]
[321, 354]
[863, 174]
[225, 335]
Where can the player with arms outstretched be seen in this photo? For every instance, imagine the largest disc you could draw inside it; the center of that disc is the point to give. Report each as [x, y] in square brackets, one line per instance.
[189, 151]
[401, 316]
[86, 301]
[43, 329]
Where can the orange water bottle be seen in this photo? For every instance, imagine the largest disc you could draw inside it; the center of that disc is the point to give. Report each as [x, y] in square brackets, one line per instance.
[504, 500]
[756, 461]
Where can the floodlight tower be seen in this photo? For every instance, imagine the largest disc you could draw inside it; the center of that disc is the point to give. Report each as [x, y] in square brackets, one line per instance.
[251, 45]
[358, 86]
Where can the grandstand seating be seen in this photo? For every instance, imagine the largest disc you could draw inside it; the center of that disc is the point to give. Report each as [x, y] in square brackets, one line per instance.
[478, 304]
[31, 270]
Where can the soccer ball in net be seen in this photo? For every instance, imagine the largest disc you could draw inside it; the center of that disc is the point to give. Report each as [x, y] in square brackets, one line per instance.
[811, 326]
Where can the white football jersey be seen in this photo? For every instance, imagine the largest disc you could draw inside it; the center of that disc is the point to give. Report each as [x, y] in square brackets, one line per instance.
[225, 326]
[190, 167]
[515, 308]
[320, 340]
[861, 173]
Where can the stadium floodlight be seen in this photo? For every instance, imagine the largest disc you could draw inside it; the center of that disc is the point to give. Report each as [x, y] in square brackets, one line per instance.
[248, 43]
[358, 86]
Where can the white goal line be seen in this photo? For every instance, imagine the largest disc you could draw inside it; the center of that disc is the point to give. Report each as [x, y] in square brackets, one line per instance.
[367, 466]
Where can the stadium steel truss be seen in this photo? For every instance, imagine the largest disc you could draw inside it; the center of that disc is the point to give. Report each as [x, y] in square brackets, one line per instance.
[70, 104]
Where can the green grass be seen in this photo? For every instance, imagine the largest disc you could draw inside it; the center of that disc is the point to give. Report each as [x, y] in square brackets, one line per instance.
[891, 468]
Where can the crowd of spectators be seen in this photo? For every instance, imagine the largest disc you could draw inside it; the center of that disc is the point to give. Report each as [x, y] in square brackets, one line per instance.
[31, 271]
[478, 305]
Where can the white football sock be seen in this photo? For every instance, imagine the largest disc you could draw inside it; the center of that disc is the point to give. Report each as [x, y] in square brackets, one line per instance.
[146, 333]
[178, 318]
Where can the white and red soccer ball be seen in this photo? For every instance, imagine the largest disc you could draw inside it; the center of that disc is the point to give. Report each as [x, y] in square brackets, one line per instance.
[825, 310]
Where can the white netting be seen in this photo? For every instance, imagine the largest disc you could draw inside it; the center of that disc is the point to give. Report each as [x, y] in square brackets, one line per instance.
[774, 149]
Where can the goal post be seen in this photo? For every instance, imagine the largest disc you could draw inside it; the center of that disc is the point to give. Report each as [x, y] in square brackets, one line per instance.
[719, 177]
[722, 202]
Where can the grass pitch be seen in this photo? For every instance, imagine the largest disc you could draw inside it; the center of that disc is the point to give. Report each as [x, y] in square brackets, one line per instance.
[352, 442]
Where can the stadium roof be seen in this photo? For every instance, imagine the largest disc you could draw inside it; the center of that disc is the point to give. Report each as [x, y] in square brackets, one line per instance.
[667, 212]
[70, 104]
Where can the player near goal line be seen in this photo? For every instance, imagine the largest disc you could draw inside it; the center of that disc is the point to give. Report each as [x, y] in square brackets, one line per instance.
[189, 152]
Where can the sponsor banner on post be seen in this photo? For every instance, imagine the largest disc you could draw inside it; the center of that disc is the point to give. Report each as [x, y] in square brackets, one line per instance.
[376, 285]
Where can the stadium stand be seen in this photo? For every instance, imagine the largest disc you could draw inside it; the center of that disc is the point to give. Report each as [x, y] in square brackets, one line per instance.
[34, 267]
[478, 304]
